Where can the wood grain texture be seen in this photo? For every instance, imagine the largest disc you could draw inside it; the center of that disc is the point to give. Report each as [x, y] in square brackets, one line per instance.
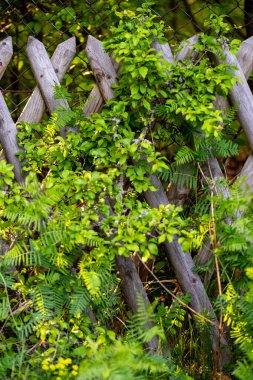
[245, 56]
[245, 59]
[186, 48]
[6, 52]
[241, 95]
[164, 49]
[94, 103]
[245, 63]
[46, 77]
[61, 59]
[102, 67]
[132, 287]
[8, 139]
[212, 168]
[247, 172]
[95, 100]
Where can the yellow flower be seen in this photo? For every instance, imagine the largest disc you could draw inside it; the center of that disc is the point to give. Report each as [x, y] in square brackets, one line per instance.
[74, 373]
[58, 378]
[62, 373]
[60, 366]
[52, 367]
[68, 361]
[45, 367]
[75, 367]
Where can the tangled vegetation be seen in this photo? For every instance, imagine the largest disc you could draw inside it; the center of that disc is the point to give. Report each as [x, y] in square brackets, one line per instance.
[62, 312]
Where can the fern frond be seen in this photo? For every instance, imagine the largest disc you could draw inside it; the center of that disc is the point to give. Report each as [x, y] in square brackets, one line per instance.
[6, 279]
[233, 244]
[185, 176]
[140, 324]
[27, 219]
[25, 329]
[184, 156]
[79, 301]
[52, 237]
[49, 301]
[91, 280]
[20, 254]
[225, 148]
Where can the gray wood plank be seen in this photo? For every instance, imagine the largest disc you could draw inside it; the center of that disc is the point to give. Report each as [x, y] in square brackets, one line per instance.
[164, 49]
[247, 172]
[102, 67]
[245, 56]
[61, 59]
[46, 77]
[241, 95]
[94, 103]
[186, 48]
[8, 139]
[6, 52]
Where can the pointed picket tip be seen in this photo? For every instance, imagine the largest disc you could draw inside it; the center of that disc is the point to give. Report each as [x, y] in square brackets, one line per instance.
[93, 44]
[164, 49]
[6, 52]
[69, 44]
[6, 46]
[193, 40]
[92, 39]
[32, 41]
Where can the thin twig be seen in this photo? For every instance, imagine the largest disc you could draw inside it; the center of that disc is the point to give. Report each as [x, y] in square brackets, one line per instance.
[175, 297]
[213, 238]
[123, 323]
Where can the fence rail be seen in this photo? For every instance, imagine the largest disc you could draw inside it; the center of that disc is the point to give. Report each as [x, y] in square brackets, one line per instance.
[54, 22]
[50, 72]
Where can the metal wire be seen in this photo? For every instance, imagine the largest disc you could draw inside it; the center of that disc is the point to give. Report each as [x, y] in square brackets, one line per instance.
[54, 22]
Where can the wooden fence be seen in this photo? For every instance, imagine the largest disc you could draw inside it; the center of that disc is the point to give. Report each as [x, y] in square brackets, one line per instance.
[50, 72]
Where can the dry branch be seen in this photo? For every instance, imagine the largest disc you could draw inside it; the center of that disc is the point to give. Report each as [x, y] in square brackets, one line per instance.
[247, 171]
[245, 56]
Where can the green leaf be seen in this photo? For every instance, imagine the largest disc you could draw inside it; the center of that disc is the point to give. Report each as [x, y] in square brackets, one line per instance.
[132, 247]
[161, 238]
[143, 71]
[153, 248]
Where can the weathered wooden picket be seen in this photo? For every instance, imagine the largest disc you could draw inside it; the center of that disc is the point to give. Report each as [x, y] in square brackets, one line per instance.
[49, 73]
